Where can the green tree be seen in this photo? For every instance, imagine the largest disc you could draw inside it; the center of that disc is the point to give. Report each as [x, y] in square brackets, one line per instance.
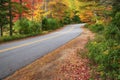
[10, 17]
[3, 15]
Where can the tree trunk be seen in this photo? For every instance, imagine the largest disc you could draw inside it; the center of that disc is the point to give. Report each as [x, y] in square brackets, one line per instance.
[20, 15]
[10, 16]
[1, 31]
[32, 10]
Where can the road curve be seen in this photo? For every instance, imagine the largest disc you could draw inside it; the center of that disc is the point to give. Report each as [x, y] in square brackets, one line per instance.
[15, 55]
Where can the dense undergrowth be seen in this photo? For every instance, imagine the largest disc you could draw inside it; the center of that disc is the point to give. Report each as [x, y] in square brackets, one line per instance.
[104, 50]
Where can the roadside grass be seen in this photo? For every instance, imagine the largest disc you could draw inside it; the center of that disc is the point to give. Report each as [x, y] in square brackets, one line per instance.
[7, 38]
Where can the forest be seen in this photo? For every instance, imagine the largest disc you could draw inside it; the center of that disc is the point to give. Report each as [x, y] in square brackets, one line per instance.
[25, 18]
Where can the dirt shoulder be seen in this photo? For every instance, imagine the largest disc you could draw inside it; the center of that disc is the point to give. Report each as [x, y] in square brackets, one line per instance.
[62, 64]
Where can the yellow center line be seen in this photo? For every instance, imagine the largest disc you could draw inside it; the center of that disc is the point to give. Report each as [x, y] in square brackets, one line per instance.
[26, 44]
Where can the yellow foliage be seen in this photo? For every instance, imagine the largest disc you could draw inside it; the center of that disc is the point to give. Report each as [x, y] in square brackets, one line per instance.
[86, 16]
[37, 13]
[57, 9]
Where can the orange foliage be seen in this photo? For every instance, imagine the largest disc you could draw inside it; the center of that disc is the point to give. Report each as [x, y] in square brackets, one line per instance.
[86, 16]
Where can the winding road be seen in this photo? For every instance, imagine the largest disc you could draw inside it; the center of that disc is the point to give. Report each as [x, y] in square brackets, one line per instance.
[17, 54]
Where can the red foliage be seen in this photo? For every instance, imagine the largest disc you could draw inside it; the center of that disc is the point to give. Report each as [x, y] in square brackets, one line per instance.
[28, 4]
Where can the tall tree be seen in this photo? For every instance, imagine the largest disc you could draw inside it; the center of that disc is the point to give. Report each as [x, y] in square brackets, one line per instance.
[3, 14]
[20, 15]
[10, 17]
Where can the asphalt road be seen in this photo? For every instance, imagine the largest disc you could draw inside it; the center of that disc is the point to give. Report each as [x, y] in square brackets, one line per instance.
[15, 55]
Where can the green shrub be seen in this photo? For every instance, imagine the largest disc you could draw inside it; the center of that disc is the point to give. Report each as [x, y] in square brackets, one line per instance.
[67, 20]
[116, 20]
[24, 26]
[44, 24]
[104, 52]
[112, 32]
[76, 19]
[106, 55]
[61, 24]
[87, 25]
[96, 27]
[34, 27]
[50, 24]
[96, 51]
[111, 63]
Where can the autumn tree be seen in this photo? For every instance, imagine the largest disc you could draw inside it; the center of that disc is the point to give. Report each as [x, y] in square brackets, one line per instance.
[38, 13]
[10, 16]
[55, 11]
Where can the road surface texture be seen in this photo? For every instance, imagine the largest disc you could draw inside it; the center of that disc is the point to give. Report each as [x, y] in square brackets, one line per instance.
[18, 54]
